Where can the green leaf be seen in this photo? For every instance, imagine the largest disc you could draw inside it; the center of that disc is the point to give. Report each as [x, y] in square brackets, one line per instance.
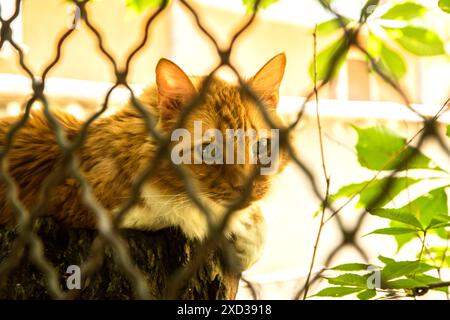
[333, 55]
[141, 5]
[329, 26]
[349, 279]
[374, 44]
[420, 212]
[366, 294]
[404, 284]
[351, 267]
[429, 211]
[368, 9]
[263, 4]
[417, 40]
[393, 62]
[318, 211]
[439, 221]
[448, 130]
[393, 231]
[373, 189]
[405, 11]
[439, 251]
[399, 269]
[440, 231]
[444, 5]
[379, 148]
[402, 239]
[389, 61]
[337, 292]
[426, 279]
[385, 260]
[429, 206]
[438, 257]
[400, 215]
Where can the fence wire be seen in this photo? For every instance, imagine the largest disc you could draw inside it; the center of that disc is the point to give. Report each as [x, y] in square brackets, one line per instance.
[108, 235]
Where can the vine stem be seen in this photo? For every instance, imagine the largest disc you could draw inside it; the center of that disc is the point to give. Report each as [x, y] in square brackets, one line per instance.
[325, 173]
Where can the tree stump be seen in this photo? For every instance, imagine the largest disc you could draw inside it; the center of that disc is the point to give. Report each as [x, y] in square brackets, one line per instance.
[157, 254]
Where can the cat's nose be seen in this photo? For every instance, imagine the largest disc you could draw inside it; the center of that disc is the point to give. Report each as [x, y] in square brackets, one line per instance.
[239, 187]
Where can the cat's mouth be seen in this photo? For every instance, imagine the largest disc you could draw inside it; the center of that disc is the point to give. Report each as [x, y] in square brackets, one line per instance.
[234, 198]
[237, 205]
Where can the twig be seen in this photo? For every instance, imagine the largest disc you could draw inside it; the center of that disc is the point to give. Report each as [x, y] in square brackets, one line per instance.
[324, 168]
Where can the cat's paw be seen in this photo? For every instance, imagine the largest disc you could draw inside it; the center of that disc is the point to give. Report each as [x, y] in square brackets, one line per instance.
[248, 236]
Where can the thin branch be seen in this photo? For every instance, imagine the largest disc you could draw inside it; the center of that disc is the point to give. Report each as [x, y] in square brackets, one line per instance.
[325, 173]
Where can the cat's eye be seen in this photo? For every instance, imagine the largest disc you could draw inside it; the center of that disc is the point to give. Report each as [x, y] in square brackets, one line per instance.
[262, 150]
[209, 152]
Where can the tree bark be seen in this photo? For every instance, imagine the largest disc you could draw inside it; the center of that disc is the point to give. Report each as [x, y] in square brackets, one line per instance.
[157, 254]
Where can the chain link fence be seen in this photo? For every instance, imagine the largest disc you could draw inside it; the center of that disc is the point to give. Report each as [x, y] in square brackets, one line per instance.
[108, 230]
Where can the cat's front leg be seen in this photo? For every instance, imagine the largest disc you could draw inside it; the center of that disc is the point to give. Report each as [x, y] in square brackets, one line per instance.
[248, 235]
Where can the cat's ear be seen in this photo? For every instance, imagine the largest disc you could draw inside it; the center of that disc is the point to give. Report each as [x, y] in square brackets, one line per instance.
[266, 82]
[174, 87]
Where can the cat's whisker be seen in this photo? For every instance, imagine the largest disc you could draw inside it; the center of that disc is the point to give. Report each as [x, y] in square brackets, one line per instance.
[180, 205]
[153, 182]
[154, 195]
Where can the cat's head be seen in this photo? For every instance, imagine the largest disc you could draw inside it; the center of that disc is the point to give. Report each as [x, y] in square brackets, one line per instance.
[225, 138]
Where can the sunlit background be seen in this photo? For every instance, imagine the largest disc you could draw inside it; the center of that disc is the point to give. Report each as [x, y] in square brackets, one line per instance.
[356, 96]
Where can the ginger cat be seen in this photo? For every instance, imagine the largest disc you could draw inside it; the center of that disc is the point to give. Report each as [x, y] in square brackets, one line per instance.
[118, 147]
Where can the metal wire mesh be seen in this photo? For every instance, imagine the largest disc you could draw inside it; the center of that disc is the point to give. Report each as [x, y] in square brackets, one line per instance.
[108, 230]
